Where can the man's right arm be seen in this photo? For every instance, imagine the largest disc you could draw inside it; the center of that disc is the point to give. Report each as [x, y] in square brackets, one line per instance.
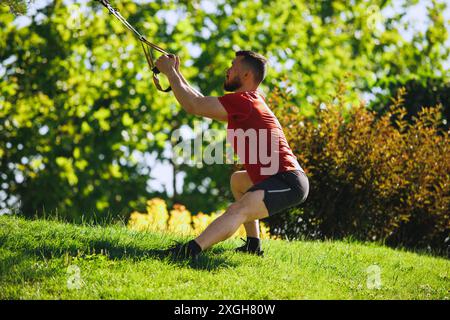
[193, 101]
[183, 79]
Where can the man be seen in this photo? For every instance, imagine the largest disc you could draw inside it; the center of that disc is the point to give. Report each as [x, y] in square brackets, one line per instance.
[259, 191]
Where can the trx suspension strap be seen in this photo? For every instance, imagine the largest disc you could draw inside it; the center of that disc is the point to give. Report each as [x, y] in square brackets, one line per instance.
[147, 51]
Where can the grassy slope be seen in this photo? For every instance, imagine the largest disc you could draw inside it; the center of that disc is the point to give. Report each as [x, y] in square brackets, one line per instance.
[35, 255]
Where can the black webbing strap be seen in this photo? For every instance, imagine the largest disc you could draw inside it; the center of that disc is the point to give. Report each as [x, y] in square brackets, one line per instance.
[147, 51]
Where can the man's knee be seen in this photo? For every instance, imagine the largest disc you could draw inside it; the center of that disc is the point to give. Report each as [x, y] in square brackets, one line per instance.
[234, 180]
[239, 181]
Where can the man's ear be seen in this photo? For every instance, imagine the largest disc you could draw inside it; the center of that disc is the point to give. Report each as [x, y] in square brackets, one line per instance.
[247, 75]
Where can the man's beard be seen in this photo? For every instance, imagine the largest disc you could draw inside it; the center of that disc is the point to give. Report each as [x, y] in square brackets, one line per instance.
[232, 85]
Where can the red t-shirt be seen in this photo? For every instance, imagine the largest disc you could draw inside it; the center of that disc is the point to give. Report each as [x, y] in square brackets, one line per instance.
[256, 136]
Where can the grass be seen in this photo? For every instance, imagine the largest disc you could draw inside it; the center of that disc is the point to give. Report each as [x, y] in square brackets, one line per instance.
[43, 259]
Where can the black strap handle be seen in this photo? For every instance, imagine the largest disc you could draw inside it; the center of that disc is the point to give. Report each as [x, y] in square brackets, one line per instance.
[151, 64]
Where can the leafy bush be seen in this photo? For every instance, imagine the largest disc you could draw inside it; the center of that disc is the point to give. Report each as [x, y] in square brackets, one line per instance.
[372, 177]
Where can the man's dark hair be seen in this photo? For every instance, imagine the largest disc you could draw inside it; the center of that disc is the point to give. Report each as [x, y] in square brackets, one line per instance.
[256, 63]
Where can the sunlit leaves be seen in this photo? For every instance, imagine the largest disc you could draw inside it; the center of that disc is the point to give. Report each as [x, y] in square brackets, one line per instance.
[67, 170]
[17, 7]
[127, 120]
[102, 116]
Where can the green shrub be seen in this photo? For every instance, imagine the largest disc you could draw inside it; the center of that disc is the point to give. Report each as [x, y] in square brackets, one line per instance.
[372, 177]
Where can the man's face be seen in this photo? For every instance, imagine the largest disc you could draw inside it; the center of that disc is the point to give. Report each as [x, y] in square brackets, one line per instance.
[233, 80]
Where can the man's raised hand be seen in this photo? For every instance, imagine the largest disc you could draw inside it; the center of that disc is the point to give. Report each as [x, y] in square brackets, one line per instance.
[166, 63]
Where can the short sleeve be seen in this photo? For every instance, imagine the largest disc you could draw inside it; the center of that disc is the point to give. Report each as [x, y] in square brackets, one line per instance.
[237, 106]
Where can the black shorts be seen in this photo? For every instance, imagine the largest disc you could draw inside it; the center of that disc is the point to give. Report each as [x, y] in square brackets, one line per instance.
[283, 190]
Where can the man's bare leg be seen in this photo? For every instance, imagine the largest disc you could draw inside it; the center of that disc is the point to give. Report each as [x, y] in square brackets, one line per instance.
[248, 208]
[252, 229]
[240, 182]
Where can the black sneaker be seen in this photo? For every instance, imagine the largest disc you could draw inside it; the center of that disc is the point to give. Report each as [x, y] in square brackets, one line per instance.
[246, 249]
[180, 251]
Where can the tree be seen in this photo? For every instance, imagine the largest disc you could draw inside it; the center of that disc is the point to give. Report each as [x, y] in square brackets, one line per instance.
[16, 6]
[76, 102]
[421, 69]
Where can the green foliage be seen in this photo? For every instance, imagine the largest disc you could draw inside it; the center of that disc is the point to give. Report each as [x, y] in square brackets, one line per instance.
[76, 97]
[372, 178]
[426, 83]
[36, 258]
[73, 111]
[17, 6]
[419, 92]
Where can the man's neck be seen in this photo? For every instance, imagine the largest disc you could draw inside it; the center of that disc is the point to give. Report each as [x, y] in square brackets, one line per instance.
[246, 89]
